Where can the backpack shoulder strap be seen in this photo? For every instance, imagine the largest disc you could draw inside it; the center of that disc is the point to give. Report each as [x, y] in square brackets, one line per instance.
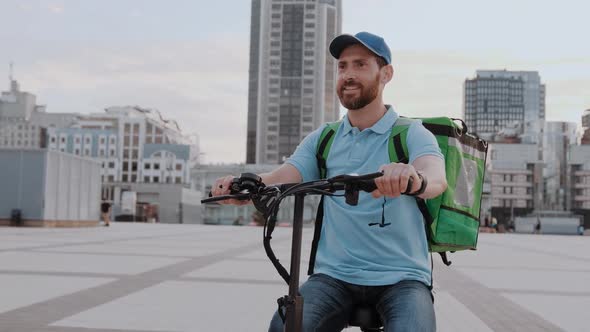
[324, 144]
[322, 150]
[397, 145]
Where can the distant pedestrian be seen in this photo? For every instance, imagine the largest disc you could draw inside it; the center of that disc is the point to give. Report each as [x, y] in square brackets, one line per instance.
[538, 226]
[494, 224]
[105, 209]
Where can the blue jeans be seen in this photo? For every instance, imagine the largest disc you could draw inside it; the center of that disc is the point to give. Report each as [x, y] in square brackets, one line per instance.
[328, 302]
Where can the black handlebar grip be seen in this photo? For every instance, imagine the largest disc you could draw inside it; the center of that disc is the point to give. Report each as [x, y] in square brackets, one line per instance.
[370, 186]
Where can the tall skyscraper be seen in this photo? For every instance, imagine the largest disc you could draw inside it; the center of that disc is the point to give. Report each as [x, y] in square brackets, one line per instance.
[494, 100]
[292, 76]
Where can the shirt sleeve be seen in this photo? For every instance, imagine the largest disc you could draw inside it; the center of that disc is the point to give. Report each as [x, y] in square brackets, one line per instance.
[304, 157]
[421, 142]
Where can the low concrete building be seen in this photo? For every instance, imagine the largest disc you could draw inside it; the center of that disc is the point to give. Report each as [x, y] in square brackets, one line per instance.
[172, 203]
[203, 177]
[50, 188]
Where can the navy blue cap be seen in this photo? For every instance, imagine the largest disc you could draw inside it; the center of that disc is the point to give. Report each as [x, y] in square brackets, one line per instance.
[373, 42]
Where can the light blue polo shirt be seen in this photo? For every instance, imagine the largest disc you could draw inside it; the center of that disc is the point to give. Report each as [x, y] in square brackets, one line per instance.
[349, 249]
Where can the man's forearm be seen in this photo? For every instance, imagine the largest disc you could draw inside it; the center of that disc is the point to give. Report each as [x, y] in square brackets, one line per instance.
[433, 169]
[285, 174]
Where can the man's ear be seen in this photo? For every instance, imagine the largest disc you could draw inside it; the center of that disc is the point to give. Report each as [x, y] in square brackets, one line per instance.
[386, 74]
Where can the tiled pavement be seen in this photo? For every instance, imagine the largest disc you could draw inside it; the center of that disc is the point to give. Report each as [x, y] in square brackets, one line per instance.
[155, 277]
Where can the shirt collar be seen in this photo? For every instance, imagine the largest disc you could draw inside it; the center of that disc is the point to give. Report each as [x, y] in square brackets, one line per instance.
[380, 127]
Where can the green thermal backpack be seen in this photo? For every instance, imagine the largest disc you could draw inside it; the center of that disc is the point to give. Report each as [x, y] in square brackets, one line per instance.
[452, 218]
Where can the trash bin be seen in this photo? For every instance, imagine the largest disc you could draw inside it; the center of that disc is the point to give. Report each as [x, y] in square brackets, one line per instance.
[16, 217]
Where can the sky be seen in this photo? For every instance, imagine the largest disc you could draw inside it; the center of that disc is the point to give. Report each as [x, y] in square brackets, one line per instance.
[189, 58]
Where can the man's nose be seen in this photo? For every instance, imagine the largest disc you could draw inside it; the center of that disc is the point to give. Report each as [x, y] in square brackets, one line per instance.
[349, 75]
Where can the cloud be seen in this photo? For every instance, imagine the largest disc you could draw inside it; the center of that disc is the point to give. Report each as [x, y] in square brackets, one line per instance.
[25, 6]
[56, 8]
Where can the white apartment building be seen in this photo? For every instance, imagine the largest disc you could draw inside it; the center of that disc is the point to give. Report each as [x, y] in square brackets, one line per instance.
[516, 180]
[134, 144]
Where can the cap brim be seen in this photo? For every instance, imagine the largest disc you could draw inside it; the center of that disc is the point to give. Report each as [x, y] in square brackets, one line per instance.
[340, 43]
[343, 41]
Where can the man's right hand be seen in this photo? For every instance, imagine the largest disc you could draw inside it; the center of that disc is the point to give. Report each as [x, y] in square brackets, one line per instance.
[221, 187]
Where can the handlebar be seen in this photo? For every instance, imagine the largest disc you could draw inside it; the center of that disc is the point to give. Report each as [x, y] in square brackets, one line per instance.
[249, 186]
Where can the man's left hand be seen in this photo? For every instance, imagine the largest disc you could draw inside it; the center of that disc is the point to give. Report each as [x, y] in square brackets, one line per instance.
[394, 181]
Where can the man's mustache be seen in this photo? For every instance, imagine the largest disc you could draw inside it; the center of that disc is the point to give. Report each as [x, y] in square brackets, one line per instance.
[349, 84]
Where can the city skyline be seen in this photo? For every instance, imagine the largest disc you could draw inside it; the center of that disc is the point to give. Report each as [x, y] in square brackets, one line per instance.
[190, 61]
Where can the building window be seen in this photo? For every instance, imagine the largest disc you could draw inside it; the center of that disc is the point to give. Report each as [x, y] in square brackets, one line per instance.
[178, 179]
[178, 167]
[147, 166]
[77, 152]
[146, 179]
[156, 166]
[156, 179]
[111, 178]
[124, 178]
[111, 164]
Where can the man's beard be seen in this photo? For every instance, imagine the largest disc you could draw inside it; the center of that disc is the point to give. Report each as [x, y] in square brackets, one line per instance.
[368, 94]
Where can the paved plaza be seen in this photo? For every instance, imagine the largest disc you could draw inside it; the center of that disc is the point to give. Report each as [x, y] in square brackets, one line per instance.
[156, 277]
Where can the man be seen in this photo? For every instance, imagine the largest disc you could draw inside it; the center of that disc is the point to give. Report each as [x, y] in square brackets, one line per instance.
[105, 209]
[387, 267]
